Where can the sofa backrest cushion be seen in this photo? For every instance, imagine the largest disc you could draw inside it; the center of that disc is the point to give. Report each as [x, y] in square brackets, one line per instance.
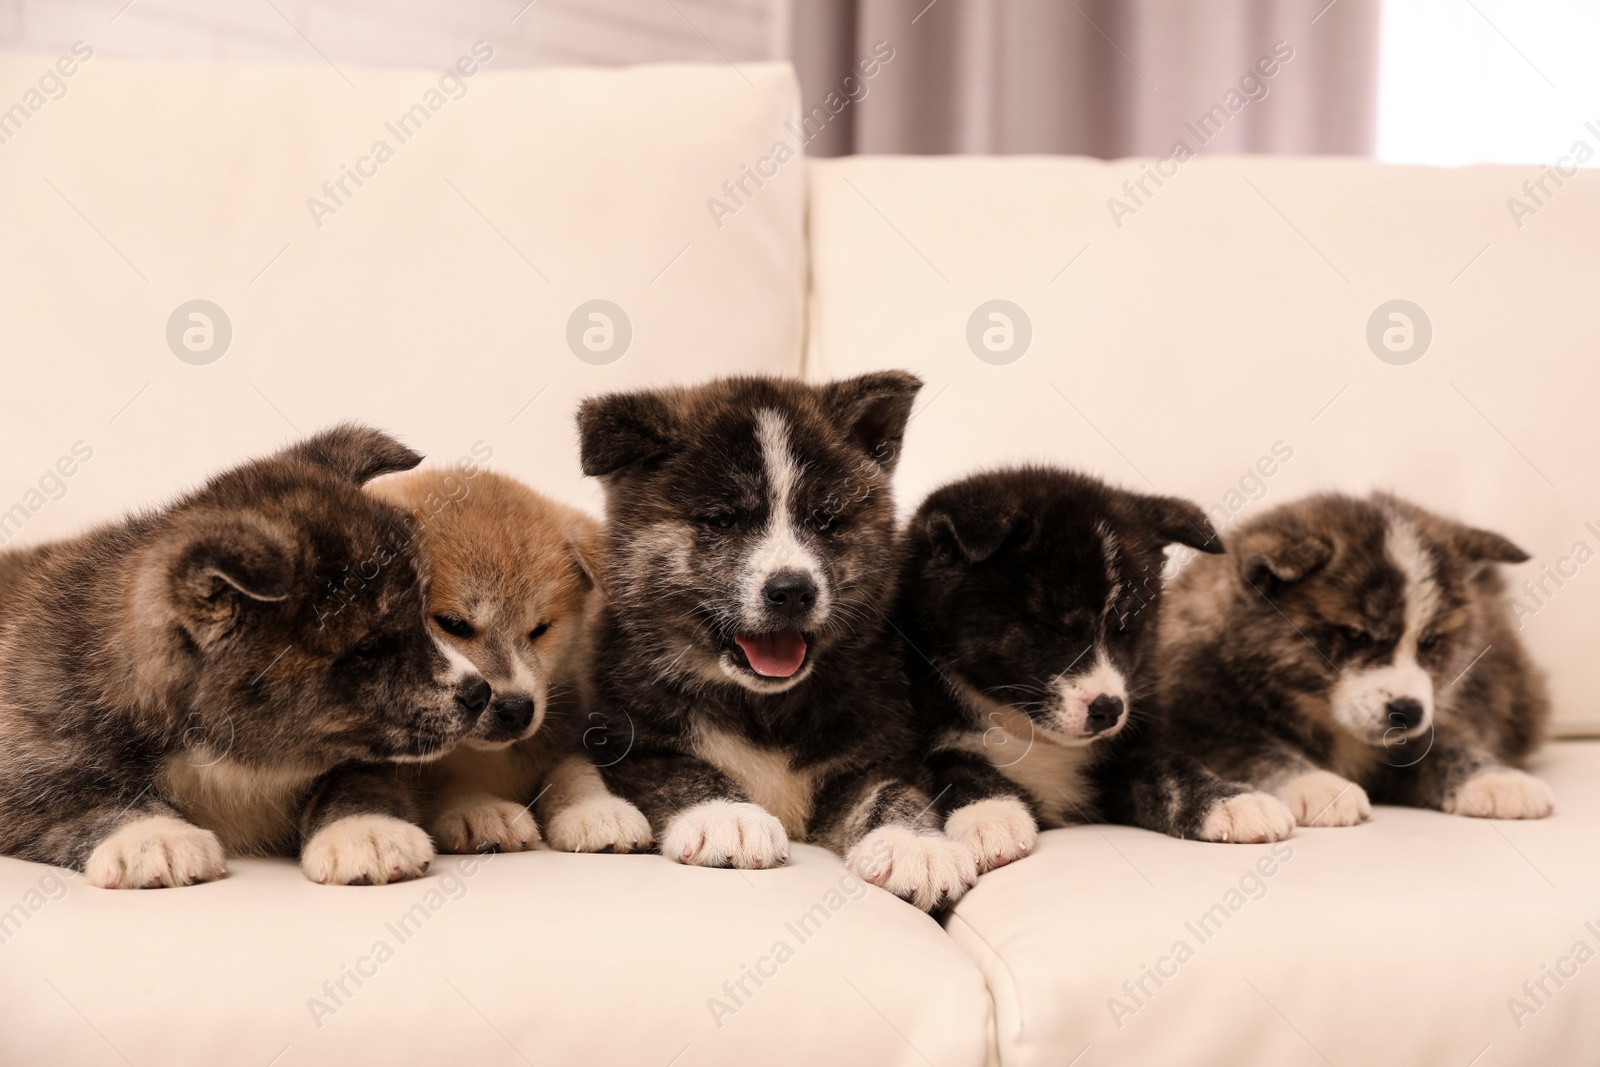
[410, 248]
[1225, 329]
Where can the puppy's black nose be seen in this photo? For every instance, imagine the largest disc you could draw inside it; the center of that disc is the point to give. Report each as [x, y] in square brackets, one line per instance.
[513, 714]
[790, 593]
[1405, 713]
[474, 696]
[1104, 711]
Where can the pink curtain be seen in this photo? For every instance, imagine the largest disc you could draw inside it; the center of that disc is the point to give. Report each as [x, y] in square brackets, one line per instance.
[1103, 78]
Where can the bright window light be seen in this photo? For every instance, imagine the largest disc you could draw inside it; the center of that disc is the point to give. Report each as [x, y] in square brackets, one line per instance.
[1488, 81]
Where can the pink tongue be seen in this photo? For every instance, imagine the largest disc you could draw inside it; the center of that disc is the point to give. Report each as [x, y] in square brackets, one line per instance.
[776, 655]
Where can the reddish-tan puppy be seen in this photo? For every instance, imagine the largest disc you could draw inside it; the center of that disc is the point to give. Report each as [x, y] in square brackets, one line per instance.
[512, 587]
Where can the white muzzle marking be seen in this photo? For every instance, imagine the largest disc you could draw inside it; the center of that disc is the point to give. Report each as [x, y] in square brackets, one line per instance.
[1076, 692]
[1361, 698]
[461, 668]
[780, 546]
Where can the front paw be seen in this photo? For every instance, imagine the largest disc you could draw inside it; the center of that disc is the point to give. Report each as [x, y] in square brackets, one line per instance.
[484, 823]
[929, 870]
[601, 824]
[726, 833]
[1502, 793]
[1249, 819]
[1322, 798]
[366, 850]
[160, 851]
[995, 831]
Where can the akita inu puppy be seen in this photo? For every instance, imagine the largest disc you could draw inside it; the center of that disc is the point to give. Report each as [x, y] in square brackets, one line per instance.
[1348, 650]
[185, 684]
[1029, 606]
[512, 587]
[744, 649]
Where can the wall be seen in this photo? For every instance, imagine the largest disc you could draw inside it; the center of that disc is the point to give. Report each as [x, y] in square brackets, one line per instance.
[389, 33]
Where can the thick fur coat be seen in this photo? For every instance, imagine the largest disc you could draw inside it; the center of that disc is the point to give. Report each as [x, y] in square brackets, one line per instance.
[745, 662]
[1029, 608]
[1350, 650]
[183, 684]
[513, 587]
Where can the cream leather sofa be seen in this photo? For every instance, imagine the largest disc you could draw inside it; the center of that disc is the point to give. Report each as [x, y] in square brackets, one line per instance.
[1181, 339]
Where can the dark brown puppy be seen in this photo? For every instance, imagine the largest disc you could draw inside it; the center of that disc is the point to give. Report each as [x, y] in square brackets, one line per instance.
[1347, 647]
[745, 651]
[179, 685]
[1029, 607]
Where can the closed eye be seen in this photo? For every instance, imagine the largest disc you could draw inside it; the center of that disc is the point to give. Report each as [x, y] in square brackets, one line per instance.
[365, 655]
[827, 521]
[538, 631]
[1079, 619]
[455, 626]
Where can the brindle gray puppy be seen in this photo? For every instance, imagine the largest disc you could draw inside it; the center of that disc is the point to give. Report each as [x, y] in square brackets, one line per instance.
[744, 649]
[184, 683]
[1351, 647]
[1029, 608]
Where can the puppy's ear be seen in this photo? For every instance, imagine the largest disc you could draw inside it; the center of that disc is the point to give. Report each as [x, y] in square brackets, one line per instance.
[354, 452]
[873, 410]
[963, 533]
[1486, 546]
[583, 541]
[620, 429]
[1178, 521]
[1280, 555]
[225, 564]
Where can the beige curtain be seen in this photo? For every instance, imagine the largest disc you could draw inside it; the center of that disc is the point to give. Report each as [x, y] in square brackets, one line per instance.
[1103, 78]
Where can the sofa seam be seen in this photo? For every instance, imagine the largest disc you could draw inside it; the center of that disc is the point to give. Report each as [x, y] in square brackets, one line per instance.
[970, 931]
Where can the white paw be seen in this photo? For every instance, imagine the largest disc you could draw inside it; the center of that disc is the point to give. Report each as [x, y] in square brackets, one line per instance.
[482, 822]
[1248, 819]
[1322, 798]
[366, 850]
[601, 824]
[929, 870]
[995, 831]
[155, 852]
[1502, 793]
[726, 833]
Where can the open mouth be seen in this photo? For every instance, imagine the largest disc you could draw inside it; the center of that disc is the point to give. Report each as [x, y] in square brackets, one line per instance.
[779, 654]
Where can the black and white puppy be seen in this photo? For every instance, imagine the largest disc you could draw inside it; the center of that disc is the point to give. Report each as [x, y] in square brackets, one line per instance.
[1028, 606]
[1350, 650]
[188, 683]
[745, 650]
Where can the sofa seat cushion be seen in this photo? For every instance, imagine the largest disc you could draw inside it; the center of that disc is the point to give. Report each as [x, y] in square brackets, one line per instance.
[1403, 941]
[536, 957]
